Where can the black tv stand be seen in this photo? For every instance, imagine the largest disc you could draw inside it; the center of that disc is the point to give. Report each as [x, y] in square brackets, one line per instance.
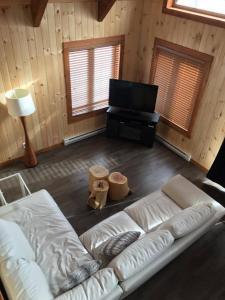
[134, 125]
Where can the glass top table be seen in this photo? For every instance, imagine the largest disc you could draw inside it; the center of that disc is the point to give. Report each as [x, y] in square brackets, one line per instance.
[12, 188]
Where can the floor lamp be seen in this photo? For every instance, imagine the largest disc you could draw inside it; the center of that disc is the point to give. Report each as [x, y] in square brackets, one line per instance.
[20, 104]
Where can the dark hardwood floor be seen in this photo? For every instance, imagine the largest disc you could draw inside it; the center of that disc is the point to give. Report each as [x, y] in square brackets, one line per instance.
[198, 273]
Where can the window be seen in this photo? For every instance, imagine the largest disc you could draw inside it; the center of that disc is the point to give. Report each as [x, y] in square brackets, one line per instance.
[181, 74]
[206, 11]
[206, 6]
[89, 65]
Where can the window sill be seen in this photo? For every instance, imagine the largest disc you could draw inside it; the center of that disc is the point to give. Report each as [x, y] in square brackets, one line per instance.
[184, 132]
[195, 16]
[86, 115]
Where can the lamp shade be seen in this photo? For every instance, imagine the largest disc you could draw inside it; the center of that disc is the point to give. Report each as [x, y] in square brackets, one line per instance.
[19, 103]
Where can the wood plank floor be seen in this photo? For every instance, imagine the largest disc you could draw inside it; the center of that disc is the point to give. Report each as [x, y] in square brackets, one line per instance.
[196, 274]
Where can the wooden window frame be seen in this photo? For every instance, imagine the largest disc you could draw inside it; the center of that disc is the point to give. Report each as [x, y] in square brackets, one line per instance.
[72, 46]
[210, 18]
[186, 53]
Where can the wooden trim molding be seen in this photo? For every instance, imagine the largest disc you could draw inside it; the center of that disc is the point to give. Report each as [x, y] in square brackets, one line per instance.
[214, 19]
[82, 45]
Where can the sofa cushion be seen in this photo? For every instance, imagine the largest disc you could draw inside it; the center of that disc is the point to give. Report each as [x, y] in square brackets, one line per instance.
[189, 219]
[152, 210]
[115, 245]
[53, 237]
[97, 287]
[184, 193]
[141, 253]
[79, 275]
[112, 226]
[13, 243]
[24, 279]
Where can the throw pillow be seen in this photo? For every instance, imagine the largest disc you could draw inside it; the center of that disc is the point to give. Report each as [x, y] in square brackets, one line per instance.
[79, 275]
[115, 245]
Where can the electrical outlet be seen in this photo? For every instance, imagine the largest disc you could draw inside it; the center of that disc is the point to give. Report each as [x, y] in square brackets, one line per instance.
[24, 145]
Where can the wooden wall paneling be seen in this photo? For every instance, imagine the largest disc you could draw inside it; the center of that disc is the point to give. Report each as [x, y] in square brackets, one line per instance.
[91, 19]
[84, 20]
[208, 131]
[202, 141]
[29, 66]
[107, 24]
[98, 26]
[53, 73]
[71, 21]
[59, 41]
[14, 126]
[7, 137]
[43, 51]
[49, 67]
[78, 20]
[65, 22]
[133, 38]
[3, 128]
[32, 57]
[112, 20]
[40, 130]
[118, 7]
[42, 91]
[149, 21]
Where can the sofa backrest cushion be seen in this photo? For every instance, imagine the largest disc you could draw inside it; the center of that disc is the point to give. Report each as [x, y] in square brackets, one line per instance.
[13, 242]
[141, 254]
[24, 279]
[189, 219]
[150, 211]
[112, 226]
[184, 193]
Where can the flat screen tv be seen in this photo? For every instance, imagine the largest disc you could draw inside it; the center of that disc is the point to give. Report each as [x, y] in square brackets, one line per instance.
[132, 95]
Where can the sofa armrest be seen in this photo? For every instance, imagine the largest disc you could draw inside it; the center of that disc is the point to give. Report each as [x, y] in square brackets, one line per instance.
[186, 194]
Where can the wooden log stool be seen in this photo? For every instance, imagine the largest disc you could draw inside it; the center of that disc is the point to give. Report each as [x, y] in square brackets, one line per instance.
[98, 196]
[97, 172]
[118, 186]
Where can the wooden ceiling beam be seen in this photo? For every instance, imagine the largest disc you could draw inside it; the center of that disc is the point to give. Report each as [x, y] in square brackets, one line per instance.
[37, 11]
[104, 7]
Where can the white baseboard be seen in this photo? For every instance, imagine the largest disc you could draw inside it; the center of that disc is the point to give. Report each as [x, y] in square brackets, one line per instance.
[73, 139]
[182, 154]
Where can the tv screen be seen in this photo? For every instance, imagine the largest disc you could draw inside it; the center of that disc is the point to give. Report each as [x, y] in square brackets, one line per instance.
[133, 96]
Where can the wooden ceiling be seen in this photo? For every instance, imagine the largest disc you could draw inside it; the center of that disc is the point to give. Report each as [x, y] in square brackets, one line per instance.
[38, 7]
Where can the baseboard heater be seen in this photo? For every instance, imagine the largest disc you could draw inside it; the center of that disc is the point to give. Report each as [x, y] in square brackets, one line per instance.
[182, 154]
[73, 139]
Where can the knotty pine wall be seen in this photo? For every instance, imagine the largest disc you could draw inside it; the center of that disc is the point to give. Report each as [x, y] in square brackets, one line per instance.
[32, 58]
[209, 127]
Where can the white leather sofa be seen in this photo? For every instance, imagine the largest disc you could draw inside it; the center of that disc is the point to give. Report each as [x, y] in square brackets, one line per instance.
[169, 221]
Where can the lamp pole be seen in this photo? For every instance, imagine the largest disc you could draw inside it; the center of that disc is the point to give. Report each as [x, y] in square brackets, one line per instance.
[30, 158]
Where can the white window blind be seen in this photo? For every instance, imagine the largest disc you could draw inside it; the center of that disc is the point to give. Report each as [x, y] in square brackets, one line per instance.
[89, 72]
